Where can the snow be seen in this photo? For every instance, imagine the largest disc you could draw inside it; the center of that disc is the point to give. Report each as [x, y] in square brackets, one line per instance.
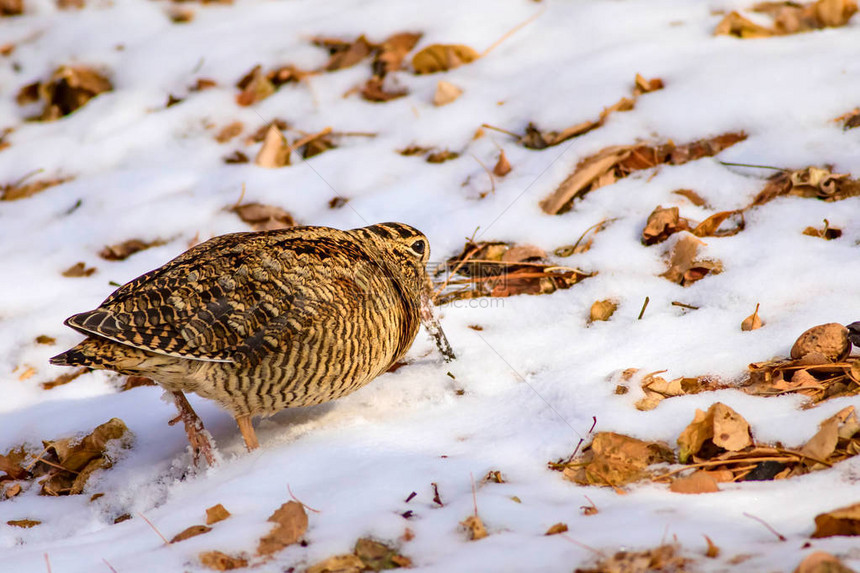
[537, 373]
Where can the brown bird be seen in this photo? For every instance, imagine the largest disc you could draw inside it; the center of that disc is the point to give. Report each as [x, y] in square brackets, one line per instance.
[263, 321]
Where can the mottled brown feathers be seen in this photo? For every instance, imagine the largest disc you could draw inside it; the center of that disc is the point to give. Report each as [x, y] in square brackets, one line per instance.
[263, 321]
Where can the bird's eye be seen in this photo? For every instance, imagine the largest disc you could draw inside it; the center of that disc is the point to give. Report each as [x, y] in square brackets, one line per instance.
[418, 246]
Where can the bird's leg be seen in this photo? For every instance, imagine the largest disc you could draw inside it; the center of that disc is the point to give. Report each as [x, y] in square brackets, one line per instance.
[247, 429]
[197, 435]
[431, 323]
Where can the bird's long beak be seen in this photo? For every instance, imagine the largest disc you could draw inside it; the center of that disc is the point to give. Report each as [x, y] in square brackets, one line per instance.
[431, 322]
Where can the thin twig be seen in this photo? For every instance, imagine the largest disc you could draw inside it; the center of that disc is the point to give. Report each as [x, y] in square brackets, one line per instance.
[594, 226]
[779, 535]
[644, 306]
[456, 268]
[583, 545]
[474, 494]
[513, 31]
[489, 173]
[682, 305]
[111, 567]
[729, 163]
[47, 563]
[306, 506]
[155, 529]
[500, 130]
[307, 139]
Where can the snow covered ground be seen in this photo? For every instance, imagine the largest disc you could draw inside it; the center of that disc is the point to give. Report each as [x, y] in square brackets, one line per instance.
[536, 374]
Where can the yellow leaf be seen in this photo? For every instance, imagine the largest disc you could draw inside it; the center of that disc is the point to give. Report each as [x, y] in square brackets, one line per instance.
[442, 57]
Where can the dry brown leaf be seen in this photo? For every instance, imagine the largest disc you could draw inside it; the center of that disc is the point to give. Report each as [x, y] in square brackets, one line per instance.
[821, 562]
[216, 513]
[236, 157]
[602, 310]
[446, 93]
[586, 173]
[692, 196]
[11, 491]
[13, 464]
[644, 86]
[275, 152]
[125, 249]
[25, 523]
[338, 564]
[662, 223]
[291, 522]
[684, 267]
[842, 521]
[68, 89]
[752, 322]
[377, 556]
[615, 460]
[827, 232]
[344, 54]
[474, 527]
[45, 339]
[229, 131]
[263, 217]
[710, 226]
[503, 166]
[830, 340]
[736, 25]
[823, 443]
[78, 269]
[11, 7]
[392, 52]
[663, 558]
[556, 529]
[374, 90]
[255, 87]
[219, 561]
[21, 190]
[697, 482]
[190, 532]
[442, 57]
[850, 120]
[713, 551]
[64, 378]
[720, 426]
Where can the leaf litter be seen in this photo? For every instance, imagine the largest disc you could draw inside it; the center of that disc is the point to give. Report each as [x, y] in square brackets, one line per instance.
[64, 466]
[368, 555]
[499, 269]
[788, 18]
[718, 445]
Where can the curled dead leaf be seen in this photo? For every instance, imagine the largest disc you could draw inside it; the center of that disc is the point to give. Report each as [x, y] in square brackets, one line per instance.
[123, 250]
[602, 310]
[556, 529]
[78, 269]
[720, 426]
[190, 532]
[503, 166]
[442, 57]
[752, 322]
[662, 223]
[220, 561]
[842, 521]
[275, 151]
[216, 513]
[474, 528]
[263, 217]
[446, 93]
[291, 522]
[697, 482]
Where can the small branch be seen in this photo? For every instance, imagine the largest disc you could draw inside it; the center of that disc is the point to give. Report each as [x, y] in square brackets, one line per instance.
[489, 173]
[306, 506]
[474, 494]
[111, 567]
[682, 305]
[779, 535]
[513, 31]
[644, 306]
[500, 130]
[155, 529]
[47, 563]
[729, 163]
[583, 545]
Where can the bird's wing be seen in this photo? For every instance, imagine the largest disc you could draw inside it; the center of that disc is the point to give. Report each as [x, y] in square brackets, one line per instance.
[227, 300]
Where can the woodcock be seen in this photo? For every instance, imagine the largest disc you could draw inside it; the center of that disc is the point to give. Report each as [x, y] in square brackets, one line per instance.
[263, 321]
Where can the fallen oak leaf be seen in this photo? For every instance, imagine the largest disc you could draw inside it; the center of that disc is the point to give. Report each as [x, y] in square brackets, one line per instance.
[821, 562]
[697, 482]
[393, 51]
[720, 425]
[684, 268]
[662, 223]
[339, 564]
[503, 166]
[753, 321]
[692, 196]
[190, 532]
[216, 513]
[446, 93]
[291, 522]
[123, 250]
[377, 556]
[275, 152]
[442, 57]
[602, 310]
[710, 226]
[842, 521]
[474, 528]
[263, 217]
[220, 561]
[375, 91]
[78, 269]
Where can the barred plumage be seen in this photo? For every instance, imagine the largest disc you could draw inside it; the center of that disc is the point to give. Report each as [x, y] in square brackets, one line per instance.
[265, 321]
